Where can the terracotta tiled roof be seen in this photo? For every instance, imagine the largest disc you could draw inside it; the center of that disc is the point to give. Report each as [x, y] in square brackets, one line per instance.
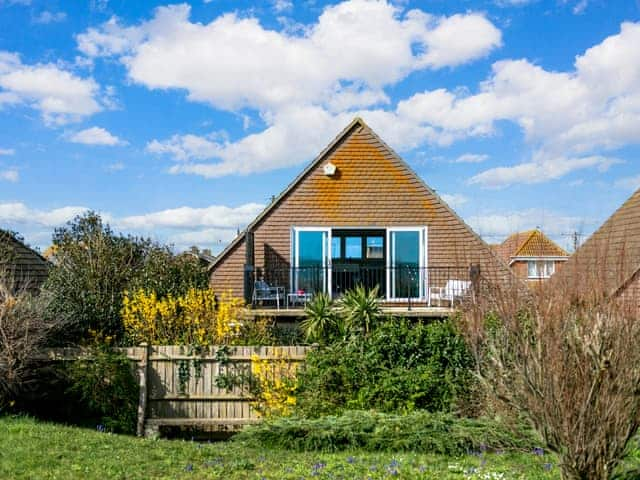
[612, 252]
[531, 243]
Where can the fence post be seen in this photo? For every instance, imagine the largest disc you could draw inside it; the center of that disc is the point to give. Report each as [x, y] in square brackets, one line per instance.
[143, 374]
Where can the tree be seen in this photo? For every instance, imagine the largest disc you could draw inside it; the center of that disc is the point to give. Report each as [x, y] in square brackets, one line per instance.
[569, 363]
[24, 329]
[94, 266]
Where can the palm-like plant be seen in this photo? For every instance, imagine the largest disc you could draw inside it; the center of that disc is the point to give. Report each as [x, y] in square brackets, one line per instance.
[360, 308]
[320, 322]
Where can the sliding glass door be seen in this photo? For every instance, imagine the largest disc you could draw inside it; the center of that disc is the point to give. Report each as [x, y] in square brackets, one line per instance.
[311, 260]
[406, 263]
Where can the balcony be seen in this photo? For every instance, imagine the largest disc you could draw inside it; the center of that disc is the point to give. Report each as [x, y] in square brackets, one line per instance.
[404, 288]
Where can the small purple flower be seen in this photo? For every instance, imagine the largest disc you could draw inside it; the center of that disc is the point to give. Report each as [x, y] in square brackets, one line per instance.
[351, 460]
[547, 466]
[188, 468]
[538, 451]
[394, 463]
[393, 472]
[101, 428]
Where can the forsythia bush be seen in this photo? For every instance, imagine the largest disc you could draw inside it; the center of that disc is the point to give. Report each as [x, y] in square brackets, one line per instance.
[276, 385]
[195, 318]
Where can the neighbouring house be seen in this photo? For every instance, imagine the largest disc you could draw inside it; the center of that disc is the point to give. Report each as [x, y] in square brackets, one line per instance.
[609, 260]
[531, 255]
[28, 268]
[357, 214]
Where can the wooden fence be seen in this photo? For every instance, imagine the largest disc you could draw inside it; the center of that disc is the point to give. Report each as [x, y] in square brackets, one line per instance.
[181, 387]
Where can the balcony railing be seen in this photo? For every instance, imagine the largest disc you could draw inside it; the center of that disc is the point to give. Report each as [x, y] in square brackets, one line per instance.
[292, 287]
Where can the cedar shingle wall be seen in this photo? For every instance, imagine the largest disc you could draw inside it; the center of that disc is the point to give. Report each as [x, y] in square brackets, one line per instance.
[371, 188]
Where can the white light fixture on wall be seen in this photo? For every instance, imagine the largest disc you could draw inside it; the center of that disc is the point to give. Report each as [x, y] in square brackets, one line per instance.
[329, 169]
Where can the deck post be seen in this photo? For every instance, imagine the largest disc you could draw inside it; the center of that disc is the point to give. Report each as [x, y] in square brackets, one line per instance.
[249, 263]
[143, 375]
[474, 275]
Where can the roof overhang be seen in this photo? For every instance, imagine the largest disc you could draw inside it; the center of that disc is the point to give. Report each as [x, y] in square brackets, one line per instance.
[527, 259]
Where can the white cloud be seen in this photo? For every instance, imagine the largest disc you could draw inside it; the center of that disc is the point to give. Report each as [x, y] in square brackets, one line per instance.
[454, 200]
[569, 117]
[46, 17]
[218, 216]
[514, 3]
[282, 5]
[10, 175]
[212, 226]
[235, 62]
[539, 171]
[216, 238]
[580, 6]
[115, 167]
[58, 94]
[7, 151]
[471, 158]
[496, 226]
[628, 183]
[95, 136]
[19, 213]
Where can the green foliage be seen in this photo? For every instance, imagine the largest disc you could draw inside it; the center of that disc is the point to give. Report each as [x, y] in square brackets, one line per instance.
[401, 366]
[360, 309]
[94, 266]
[107, 388]
[165, 273]
[419, 431]
[321, 322]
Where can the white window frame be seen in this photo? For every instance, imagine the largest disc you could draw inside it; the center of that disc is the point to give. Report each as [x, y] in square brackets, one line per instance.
[326, 257]
[423, 280]
[545, 274]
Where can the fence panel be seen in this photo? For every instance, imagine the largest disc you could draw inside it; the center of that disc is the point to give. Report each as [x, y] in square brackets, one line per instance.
[181, 387]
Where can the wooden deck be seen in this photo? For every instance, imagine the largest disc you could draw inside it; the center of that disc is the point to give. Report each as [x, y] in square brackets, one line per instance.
[416, 311]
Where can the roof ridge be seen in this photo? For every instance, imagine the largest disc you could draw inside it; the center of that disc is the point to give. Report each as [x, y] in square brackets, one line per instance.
[523, 244]
[317, 159]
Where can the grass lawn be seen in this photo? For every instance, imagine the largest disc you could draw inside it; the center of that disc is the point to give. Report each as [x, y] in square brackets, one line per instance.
[30, 449]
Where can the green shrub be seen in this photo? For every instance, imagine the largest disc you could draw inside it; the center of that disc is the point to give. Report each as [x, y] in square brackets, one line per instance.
[420, 431]
[321, 322]
[399, 367]
[360, 308]
[106, 387]
[95, 265]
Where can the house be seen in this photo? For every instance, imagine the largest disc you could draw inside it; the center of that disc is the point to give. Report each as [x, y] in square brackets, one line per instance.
[531, 255]
[608, 262]
[356, 215]
[28, 268]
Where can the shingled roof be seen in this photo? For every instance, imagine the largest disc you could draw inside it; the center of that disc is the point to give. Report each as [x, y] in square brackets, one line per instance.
[530, 243]
[612, 253]
[29, 268]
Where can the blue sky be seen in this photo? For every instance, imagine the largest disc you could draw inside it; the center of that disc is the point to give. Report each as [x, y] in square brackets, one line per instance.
[180, 121]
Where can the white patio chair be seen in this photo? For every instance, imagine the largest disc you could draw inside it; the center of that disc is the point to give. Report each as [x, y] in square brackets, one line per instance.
[452, 291]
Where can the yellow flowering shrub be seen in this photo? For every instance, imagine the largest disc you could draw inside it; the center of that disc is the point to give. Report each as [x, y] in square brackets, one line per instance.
[195, 318]
[275, 385]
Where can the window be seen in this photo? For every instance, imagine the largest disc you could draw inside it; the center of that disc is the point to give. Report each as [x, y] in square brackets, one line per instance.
[336, 247]
[375, 247]
[540, 268]
[353, 248]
